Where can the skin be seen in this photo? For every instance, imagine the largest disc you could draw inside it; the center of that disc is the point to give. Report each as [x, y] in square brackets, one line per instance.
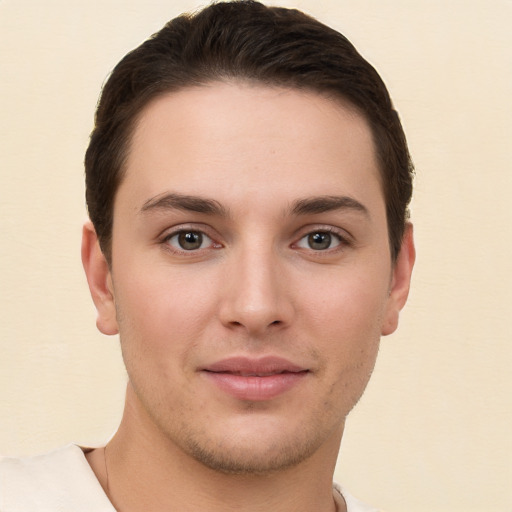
[294, 263]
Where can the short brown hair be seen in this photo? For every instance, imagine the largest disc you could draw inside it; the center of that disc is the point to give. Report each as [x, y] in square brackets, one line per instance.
[242, 40]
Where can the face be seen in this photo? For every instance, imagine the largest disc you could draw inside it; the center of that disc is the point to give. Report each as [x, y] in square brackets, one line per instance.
[251, 276]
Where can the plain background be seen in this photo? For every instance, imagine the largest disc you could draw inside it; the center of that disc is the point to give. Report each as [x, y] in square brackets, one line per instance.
[433, 432]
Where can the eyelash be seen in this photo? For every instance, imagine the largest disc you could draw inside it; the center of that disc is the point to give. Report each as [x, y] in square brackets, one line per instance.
[183, 231]
[340, 241]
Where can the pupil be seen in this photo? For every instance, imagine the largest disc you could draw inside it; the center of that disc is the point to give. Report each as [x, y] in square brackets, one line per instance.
[190, 240]
[319, 240]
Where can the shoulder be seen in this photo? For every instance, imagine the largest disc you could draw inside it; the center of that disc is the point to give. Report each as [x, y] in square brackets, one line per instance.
[353, 504]
[57, 481]
[40, 469]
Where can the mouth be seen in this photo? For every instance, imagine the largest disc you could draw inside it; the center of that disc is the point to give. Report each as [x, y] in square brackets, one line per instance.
[260, 367]
[241, 373]
[255, 379]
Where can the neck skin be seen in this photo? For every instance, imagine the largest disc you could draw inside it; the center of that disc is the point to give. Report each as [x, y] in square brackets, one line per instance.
[148, 472]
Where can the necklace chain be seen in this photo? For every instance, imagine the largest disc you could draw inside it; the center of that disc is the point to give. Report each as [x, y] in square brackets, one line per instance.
[107, 483]
[106, 467]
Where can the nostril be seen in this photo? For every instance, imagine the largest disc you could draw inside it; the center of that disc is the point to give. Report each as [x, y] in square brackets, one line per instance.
[235, 323]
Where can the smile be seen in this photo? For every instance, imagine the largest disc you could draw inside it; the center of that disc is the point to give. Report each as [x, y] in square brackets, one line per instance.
[256, 374]
[255, 380]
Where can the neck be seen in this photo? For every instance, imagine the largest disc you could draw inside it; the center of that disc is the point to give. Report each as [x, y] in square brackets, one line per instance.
[143, 470]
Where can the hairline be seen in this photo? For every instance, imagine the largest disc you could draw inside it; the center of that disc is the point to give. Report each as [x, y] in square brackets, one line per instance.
[140, 107]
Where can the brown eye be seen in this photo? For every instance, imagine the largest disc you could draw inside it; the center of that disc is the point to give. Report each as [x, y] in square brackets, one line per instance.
[319, 241]
[189, 240]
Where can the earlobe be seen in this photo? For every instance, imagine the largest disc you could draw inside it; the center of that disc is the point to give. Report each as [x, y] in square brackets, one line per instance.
[99, 279]
[400, 282]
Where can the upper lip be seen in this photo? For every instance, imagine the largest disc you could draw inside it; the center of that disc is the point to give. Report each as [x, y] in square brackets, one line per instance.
[246, 366]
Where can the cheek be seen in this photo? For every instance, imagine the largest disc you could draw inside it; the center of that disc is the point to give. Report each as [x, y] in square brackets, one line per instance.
[352, 304]
[162, 314]
[350, 345]
[346, 320]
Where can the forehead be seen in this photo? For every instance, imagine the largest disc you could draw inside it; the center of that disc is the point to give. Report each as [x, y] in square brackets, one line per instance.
[238, 137]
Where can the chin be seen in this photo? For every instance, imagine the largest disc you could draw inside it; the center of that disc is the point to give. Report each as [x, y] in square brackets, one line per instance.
[260, 451]
[251, 461]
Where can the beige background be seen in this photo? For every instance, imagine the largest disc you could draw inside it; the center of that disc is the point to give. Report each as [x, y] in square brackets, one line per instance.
[433, 432]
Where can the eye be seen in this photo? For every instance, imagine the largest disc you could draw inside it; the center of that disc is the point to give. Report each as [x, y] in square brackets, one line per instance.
[319, 241]
[189, 240]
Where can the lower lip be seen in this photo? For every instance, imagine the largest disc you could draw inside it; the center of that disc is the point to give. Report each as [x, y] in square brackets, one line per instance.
[255, 388]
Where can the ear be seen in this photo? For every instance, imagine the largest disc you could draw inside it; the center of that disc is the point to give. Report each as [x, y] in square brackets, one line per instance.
[400, 282]
[99, 280]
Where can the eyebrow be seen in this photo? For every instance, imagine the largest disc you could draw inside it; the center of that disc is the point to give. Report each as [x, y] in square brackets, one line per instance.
[306, 206]
[322, 204]
[173, 201]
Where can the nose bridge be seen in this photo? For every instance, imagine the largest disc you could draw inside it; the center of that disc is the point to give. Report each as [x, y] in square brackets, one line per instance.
[255, 294]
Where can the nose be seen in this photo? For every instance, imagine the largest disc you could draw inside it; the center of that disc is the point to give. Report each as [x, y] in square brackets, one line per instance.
[256, 293]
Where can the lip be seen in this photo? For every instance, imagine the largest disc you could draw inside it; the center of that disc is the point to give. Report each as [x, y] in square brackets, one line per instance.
[255, 379]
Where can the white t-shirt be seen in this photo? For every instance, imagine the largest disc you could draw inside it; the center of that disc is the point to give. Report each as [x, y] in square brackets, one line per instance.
[63, 481]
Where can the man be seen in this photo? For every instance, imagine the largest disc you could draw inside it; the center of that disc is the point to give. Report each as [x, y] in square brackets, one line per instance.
[247, 183]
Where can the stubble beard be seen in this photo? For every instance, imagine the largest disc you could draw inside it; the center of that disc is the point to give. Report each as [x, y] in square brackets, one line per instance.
[256, 453]
[244, 460]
